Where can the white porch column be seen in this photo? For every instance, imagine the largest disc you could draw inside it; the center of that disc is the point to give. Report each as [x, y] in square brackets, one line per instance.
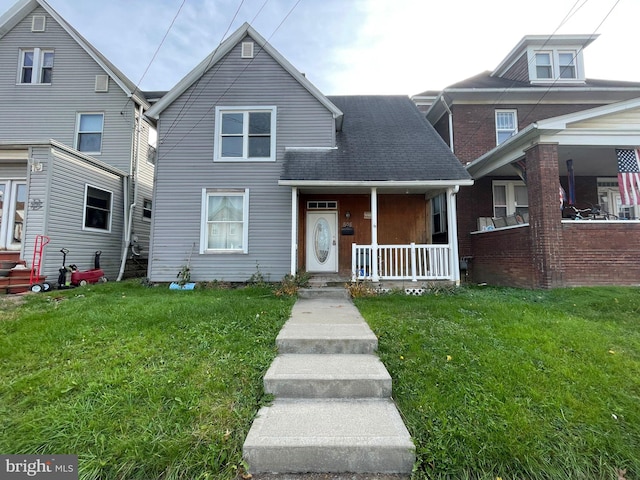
[294, 230]
[374, 235]
[452, 227]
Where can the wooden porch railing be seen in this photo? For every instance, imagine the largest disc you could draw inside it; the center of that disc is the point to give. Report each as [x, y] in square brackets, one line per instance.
[401, 262]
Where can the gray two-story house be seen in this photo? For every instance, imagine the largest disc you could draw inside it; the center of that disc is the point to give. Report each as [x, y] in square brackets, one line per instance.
[76, 154]
[259, 171]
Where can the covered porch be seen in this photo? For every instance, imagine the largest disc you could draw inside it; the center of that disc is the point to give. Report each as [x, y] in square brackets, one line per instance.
[558, 181]
[376, 233]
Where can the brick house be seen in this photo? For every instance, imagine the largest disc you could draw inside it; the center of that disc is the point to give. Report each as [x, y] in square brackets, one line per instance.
[542, 143]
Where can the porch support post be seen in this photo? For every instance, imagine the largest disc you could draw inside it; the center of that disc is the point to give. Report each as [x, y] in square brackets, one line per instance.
[545, 215]
[452, 227]
[294, 230]
[374, 235]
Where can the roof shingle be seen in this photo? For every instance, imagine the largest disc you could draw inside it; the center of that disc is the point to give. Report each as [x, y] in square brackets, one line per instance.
[383, 138]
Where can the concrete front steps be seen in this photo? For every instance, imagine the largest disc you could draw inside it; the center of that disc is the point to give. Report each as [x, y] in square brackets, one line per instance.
[332, 411]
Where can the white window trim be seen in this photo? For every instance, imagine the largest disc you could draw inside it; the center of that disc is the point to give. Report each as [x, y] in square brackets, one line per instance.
[77, 135]
[515, 122]
[578, 63]
[245, 220]
[510, 195]
[574, 63]
[145, 209]
[217, 156]
[38, 59]
[84, 210]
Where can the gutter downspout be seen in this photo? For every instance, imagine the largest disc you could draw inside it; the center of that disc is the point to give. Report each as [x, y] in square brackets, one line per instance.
[452, 215]
[133, 174]
[444, 102]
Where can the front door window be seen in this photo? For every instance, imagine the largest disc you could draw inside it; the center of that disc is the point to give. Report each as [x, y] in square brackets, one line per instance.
[321, 243]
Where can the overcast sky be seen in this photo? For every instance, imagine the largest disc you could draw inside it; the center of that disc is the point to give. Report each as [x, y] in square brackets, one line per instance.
[355, 46]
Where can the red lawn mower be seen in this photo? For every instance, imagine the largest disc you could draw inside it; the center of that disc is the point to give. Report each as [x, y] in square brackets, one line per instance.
[70, 276]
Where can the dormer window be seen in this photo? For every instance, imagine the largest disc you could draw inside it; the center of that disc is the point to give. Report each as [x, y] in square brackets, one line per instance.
[555, 65]
[567, 62]
[544, 67]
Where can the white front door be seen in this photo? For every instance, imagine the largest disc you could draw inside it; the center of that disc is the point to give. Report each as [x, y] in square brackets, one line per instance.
[322, 242]
[13, 197]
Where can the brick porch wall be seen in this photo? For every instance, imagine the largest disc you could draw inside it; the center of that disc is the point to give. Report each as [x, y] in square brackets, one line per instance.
[601, 253]
[503, 257]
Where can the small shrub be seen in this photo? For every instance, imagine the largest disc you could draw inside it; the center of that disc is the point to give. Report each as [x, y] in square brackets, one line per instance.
[361, 289]
[290, 284]
[216, 285]
[258, 279]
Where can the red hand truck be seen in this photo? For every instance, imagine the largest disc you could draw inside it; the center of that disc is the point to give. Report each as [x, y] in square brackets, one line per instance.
[35, 280]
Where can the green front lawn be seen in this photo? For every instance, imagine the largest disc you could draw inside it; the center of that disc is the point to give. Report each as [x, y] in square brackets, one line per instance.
[516, 384]
[149, 383]
[141, 383]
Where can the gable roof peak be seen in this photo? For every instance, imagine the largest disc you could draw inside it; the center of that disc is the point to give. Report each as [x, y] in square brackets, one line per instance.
[22, 8]
[225, 47]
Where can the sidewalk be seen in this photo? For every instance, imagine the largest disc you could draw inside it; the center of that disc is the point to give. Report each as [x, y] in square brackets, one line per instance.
[333, 410]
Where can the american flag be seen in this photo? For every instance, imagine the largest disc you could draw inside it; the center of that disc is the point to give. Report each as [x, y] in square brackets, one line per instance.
[629, 176]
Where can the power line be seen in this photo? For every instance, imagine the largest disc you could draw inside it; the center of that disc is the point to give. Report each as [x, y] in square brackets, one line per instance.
[195, 86]
[156, 52]
[572, 11]
[213, 105]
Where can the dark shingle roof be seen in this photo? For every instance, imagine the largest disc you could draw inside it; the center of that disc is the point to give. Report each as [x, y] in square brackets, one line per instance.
[383, 138]
[485, 80]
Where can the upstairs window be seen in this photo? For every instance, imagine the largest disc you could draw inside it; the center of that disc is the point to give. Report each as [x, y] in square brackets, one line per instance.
[36, 66]
[556, 65]
[544, 67]
[506, 125]
[245, 134]
[89, 132]
[567, 62]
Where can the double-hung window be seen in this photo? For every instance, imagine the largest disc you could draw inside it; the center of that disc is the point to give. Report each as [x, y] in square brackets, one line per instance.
[245, 134]
[89, 132]
[544, 65]
[556, 65]
[225, 216]
[510, 198]
[506, 125]
[567, 64]
[98, 205]
[36, 66]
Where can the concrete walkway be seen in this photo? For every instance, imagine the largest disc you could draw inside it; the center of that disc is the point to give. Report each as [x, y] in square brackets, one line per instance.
[333, 411]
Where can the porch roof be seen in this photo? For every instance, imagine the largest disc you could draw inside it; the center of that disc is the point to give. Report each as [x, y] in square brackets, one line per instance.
[591, 134]
[384, 139]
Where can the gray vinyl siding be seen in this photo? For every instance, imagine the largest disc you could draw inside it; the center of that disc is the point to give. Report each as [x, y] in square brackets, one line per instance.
[142, 226]
[61, 185]
[36, 113]
[185, 166]
[37, 200]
